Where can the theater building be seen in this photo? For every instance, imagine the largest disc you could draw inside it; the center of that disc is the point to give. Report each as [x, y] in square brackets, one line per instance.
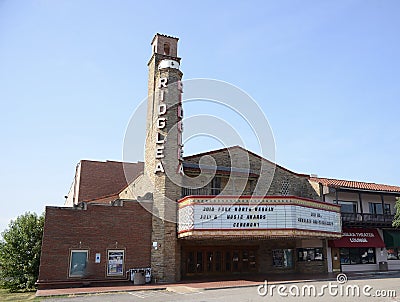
[237, 221]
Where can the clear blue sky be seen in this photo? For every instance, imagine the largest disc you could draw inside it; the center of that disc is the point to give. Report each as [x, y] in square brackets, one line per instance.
[326, 74]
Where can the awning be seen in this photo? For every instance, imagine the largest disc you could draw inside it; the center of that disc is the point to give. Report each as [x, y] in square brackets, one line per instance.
[392, 238]
[357, 237]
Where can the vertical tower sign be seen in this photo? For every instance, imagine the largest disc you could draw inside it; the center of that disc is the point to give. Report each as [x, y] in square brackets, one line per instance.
[163, 155]
[161, 123]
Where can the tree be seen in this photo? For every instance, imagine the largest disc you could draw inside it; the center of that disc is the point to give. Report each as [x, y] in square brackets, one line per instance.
[20, 252]
[396, 220]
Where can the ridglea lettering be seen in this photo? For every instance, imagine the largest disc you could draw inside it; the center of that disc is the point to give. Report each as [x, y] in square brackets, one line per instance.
[161, 123]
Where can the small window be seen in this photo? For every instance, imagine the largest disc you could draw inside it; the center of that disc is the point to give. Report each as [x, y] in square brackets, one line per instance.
[216, 185]
[376, 208]
[166, 49]
[393, 253]
[78, 262]
[310, 254]
[115, 265]
[282, 258]
[348, 207]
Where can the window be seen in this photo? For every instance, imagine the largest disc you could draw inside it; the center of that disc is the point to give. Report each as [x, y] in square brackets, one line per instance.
[357, 255]
[251, 186]
[376, 208]
[218, 261]
[282, 258]
[216, 185]
[78, 262]
[209, 261]
[310, 254]
[252, 259]
[166, 49]
[199, 265]
[393, 253]
[115, 265]
[387, 209]
[191, 267]
[228, 261]
[348, 206]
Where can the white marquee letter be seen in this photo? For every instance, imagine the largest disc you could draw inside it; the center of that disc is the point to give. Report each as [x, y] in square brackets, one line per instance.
[180, 169]
[161, 94]
[161, 122]
[162, 109]
[160, 151]
[160, 138]
[163, 82]
[159, 168]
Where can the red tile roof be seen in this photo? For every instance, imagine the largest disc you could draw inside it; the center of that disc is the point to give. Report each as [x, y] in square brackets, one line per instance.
[338, 183]
[100, 179]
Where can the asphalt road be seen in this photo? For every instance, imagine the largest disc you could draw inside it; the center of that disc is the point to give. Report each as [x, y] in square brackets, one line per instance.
[380, 288]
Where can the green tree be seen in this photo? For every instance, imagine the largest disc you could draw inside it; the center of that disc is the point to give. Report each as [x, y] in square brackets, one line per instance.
[396, 220]
[20, 252]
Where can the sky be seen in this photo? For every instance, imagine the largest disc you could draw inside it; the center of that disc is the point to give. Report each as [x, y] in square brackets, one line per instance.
[326, 75]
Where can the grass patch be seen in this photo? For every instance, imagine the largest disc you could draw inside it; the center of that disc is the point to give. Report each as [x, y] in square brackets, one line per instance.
[19, 296]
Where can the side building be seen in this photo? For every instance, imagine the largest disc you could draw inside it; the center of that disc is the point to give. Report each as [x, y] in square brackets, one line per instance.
[369, 241]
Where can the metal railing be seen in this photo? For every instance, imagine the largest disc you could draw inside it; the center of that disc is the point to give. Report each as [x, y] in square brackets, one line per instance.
[367, 218]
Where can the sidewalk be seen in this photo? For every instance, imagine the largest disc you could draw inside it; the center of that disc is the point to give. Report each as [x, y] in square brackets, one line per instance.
[207, 285]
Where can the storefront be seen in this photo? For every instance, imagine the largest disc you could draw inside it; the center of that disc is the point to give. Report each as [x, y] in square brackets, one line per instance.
[358, 250]
[247, 257]
[392, 243]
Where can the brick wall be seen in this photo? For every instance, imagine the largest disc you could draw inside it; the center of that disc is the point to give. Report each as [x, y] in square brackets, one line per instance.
[97, 228]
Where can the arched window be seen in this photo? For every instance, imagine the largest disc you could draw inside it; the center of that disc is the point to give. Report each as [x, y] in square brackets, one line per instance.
[166, 49]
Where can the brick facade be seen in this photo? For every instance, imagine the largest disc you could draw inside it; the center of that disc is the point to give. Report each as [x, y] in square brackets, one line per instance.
[270, 177]
[97, 228]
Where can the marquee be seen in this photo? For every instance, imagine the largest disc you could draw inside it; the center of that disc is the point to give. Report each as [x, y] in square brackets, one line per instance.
[279, 216]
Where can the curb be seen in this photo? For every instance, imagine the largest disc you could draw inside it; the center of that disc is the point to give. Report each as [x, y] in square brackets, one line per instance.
[170, 287]
[105, 291]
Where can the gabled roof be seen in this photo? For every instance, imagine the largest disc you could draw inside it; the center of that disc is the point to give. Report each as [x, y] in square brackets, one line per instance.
[358, 185]
[245, 150]
[99, 179]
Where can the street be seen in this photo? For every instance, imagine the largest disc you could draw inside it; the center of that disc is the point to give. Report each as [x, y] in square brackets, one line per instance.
[379, 288]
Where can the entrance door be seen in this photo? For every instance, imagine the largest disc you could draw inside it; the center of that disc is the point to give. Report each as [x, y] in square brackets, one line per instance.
[336, 259]
[204, 261]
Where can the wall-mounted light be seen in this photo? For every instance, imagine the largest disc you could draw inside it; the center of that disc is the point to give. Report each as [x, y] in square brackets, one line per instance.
[156, 245]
